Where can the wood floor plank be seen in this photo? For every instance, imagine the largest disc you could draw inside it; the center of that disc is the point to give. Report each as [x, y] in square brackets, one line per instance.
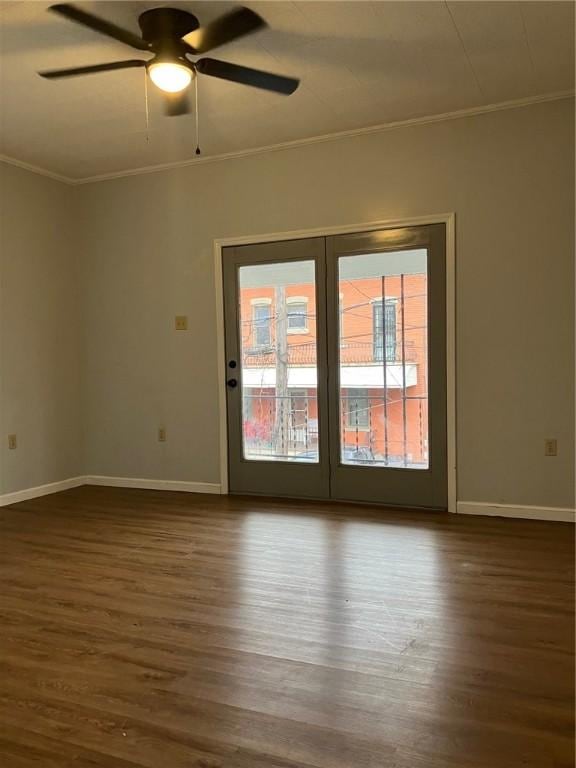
[161, 630]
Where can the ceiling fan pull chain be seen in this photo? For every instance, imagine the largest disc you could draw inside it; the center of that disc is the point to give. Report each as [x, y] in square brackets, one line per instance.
[196, 112]
[146, 105]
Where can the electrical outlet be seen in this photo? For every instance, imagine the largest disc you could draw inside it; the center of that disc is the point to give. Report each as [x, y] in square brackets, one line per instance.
[551, 447]
[162, 434]
[181, 323]
[12, 442]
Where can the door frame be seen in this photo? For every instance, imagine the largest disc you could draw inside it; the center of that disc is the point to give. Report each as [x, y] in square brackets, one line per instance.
[449, 219]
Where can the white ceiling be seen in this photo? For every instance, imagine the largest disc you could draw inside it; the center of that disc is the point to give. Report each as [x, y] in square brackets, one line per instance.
[360, 63]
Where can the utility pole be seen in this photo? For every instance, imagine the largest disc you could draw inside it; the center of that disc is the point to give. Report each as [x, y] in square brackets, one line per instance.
[282, 400]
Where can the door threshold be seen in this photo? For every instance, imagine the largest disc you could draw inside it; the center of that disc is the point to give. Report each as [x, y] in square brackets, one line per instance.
[380, 505]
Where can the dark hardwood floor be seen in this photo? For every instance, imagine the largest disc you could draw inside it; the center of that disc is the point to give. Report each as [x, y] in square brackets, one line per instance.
[142, 628]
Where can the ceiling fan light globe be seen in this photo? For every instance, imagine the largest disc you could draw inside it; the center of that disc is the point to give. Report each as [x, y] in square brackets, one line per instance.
[169, 76]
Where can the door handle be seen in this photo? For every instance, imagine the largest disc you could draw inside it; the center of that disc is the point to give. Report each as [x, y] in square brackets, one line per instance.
[232, 383]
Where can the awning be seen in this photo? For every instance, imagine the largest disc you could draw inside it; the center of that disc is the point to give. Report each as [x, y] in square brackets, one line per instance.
[351, 376]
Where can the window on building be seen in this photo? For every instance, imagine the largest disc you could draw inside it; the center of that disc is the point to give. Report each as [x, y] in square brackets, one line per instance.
[357, 408]
[378, 330]
[297, 314]
[261, 322]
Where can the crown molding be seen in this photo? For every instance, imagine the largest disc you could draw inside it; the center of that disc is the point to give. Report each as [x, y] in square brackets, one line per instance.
[36, 169]
[380, 128]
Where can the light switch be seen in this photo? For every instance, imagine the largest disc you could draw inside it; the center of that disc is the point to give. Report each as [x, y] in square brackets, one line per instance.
[12, 442]
[550, 447]
[181, 323]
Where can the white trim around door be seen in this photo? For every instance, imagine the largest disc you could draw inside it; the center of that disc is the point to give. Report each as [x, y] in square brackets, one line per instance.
[449, 219]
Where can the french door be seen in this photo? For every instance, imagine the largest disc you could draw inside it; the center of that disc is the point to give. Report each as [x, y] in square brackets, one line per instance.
[336, 367]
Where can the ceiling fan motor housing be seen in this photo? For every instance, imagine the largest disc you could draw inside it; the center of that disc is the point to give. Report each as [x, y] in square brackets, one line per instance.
[161, 26]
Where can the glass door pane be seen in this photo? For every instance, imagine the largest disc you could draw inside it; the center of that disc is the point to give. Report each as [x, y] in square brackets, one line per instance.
[383, 359]
[279, 379]
[336, 367]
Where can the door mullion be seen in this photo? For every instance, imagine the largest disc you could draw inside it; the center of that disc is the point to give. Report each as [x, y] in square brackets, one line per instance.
[332, 341]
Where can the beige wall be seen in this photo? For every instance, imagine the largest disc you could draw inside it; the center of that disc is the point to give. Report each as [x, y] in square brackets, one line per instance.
[39, 331]
[508, 175]
[92, 276]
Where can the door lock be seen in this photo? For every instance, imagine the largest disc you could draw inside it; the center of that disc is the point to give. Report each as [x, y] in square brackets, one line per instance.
[232, 383]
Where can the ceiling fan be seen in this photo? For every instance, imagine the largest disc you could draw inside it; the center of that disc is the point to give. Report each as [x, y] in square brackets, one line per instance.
[173, 35]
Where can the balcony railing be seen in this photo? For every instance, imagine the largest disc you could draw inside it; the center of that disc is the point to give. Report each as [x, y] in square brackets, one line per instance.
[351, 353]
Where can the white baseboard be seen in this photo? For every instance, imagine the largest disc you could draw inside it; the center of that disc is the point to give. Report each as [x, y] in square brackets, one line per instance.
[153, 485]
[40, 490]
[552, 514]
[115, 482]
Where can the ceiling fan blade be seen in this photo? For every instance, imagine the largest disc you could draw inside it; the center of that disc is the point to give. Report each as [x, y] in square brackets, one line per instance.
[254, 77]
[56, 73]
[100, 25]
[176, 104]
[237, 23]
